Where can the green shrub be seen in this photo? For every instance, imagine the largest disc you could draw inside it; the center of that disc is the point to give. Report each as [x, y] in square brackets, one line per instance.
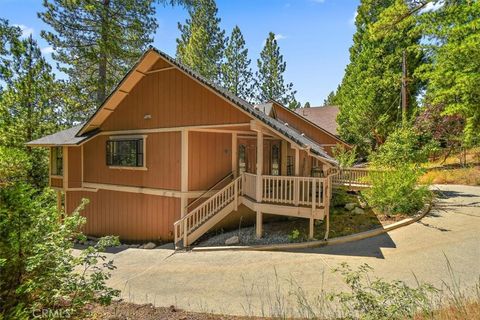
[294, 235]
[346, 157]
[397, 191]
[38, 269]
[379, 299]
[340, 197]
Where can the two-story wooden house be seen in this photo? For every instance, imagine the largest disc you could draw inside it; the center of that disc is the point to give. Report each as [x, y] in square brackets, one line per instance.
[150, 158]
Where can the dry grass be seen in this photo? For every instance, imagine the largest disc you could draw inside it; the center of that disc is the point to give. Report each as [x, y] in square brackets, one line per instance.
[466, 176]
[471, 310]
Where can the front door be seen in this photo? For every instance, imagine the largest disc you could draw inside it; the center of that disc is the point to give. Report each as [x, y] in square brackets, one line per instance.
[247, 156]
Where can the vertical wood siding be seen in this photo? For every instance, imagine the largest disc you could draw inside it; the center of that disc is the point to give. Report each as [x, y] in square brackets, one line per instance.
[162, 160]
[209, 158]
[130, 216]
[74, 167]
[171, 99]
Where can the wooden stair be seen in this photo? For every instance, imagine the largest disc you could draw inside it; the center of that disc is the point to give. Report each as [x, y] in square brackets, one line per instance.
[202, 218]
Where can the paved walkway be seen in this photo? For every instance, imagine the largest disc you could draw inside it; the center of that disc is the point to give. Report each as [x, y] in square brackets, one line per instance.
[242, 282]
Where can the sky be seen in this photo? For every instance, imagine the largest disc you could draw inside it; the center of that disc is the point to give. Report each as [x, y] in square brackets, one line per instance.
[313, 35]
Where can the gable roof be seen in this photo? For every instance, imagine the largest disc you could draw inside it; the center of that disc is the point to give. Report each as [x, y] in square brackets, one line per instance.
[324, 117]
[65, 137]
[141, 69]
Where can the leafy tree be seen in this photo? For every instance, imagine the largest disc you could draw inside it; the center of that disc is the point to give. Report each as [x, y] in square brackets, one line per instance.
[237, 75]
[95, 42]
[346, 157]
[370, 89]
[201, 43]
[38, 269]
[454, 73]
[446, 130]
[269, 76]
[30, 106]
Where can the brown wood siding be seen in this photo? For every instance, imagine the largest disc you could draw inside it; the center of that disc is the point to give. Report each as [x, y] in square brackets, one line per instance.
[131, 216]
[171, 99]
[74, 167]
[56, 182]
[162, 161]
[209, 158]
[303, 126]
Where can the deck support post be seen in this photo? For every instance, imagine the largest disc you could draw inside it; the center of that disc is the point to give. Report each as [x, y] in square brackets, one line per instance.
[234, 154]
[259, 187]
[184, 173]
[296, 186]
[259, 225]
[311, 227]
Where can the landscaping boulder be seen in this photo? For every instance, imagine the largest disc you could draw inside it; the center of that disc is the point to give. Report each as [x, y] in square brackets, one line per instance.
[149, 245]
[232, 240]
[350, 206]
[358, 211]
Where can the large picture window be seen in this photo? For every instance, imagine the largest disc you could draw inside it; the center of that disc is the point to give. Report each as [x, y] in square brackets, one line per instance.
[57, 161]
[125, 152]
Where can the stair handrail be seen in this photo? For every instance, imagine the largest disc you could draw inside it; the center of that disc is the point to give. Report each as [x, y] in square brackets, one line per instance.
[178, 226]
[210, 189]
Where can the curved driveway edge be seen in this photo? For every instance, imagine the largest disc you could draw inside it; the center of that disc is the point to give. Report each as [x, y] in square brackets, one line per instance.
[321, 243]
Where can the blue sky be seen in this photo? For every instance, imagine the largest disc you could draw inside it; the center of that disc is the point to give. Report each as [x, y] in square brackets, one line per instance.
[314, 35]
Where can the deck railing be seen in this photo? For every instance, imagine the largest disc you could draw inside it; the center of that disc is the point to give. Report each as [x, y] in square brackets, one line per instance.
[352, 177]
[200, 214]
[288, 190]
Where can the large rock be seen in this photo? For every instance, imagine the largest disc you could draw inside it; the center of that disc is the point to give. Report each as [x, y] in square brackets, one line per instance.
[149, 245]
[232, 240]
[350, 206]
[358, 211]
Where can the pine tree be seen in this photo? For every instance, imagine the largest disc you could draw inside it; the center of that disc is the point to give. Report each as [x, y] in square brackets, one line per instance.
[237, 75]
[370, 90]
[9, 42]
[269, 76]
[96, 42]
[201, 42]
[454, 73]
[30, 106]
[332, 98]
[306, 105]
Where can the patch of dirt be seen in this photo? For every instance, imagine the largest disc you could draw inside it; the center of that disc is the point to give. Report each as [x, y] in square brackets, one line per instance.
[131, 311]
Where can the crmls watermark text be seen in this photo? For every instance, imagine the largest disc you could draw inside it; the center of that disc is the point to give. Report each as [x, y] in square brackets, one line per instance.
[52, 314]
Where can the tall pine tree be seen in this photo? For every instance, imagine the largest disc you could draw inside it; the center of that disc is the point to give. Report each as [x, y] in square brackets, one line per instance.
[454, 73]
[269, 76]
[201, 42]
[95, 42]
[30, 107]
[370, 90]
[237, 75]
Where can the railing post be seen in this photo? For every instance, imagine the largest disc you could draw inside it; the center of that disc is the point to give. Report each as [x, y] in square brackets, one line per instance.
[314, 194]
[236, 193]
[296, 190]
[185, 236]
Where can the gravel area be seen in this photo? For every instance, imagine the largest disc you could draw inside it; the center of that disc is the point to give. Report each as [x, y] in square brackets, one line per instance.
[273, 233]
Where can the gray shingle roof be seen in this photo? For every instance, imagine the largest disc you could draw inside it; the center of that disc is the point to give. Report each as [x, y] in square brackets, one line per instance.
[64, 137]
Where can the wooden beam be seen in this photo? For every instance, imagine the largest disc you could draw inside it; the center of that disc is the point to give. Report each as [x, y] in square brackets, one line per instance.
[259, 225]
[184, 172]
[259, 187]
[160, 70]
[311, 226]
[283, 157]
[234, 154]
[297, 162]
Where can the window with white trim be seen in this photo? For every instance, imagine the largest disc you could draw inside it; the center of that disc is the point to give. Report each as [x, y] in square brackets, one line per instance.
[125, 152]
[56, 161]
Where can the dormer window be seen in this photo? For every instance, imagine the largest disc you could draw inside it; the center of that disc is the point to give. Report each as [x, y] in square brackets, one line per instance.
[126, 152]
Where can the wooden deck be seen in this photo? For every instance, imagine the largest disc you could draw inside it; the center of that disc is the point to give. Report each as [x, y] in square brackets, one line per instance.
[305, 197]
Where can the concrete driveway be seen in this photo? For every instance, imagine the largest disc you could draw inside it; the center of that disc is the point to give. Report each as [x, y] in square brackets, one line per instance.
[247, 283]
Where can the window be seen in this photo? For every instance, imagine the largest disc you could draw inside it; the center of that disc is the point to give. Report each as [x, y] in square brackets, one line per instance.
[57, 161]
[275, 160]
[242, 165]
[290, 163]
[127, 152]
